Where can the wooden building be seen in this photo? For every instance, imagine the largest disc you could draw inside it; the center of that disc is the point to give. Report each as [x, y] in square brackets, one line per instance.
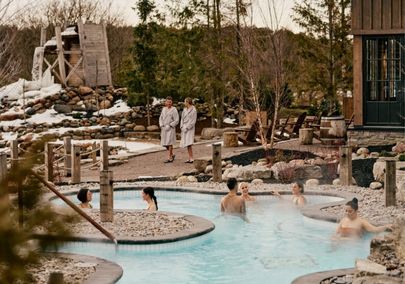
[378, 28]
[81, 54]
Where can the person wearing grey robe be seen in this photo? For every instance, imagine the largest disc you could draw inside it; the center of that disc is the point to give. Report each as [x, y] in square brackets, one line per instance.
[187, 126]
[168, 120]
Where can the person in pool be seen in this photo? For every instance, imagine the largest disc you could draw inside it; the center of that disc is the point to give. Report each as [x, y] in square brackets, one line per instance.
[232, 203]
[85, 196]
[244, 188]
[148, 194]
[298, 197]
[354, 226]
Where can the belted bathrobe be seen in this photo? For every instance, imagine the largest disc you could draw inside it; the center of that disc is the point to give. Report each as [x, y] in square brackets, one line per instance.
[168, 120]
[187, 125]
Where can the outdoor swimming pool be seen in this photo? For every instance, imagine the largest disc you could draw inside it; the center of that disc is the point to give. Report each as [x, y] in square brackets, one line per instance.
[276, 246]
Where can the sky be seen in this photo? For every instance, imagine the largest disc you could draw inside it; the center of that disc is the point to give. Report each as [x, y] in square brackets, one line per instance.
[260, 10]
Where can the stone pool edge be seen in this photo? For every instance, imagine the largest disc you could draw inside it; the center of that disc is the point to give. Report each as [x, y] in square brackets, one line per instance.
[318, 277]
[107, 272]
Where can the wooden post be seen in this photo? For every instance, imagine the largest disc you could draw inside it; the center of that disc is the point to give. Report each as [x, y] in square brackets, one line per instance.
[14, 153]
[345, 173]
[104, 155]
[390, 183]
[61, 56]
[106, 196]
[49, 157]
[76, 163]
[67, 141]
[94, 152]
[3, 166]
[56, 278]
[216, 162]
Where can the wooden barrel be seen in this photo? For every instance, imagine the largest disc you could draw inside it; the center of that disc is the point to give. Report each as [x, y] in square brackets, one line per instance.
[76, 78]
[230, 139]
[333, 130]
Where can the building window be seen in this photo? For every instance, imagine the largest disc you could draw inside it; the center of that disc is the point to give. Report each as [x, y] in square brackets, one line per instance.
[385, 67]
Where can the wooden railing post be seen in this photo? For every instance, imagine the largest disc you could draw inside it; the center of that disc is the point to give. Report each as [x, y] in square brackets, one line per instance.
[390, 183]
[67, 142]
[94, 152]
[104, 155]
[3, 166]
[76, 163]
[345, 172]
[56, 278]
[106, 196]
[14, 153]
[49, 157]
[216, 162]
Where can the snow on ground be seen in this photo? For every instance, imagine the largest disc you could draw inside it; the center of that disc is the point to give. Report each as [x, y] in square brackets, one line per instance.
[49, 116]
[229, 120]
[118, 107]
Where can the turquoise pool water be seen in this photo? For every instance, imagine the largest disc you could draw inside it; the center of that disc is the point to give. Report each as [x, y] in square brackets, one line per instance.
[276, 246]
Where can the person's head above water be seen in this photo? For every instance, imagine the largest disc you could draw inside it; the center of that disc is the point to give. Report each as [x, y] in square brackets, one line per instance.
[244, 188]
[231, 183]
[148, 193]
[351, 208]
[84, 195]
[298, 188]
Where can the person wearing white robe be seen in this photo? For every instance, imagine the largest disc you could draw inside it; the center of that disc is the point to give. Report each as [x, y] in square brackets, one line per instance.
[168, 120]
[187, 126]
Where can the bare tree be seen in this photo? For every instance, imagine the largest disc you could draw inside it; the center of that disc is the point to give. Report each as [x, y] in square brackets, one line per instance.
[9, 65]
[265, 54]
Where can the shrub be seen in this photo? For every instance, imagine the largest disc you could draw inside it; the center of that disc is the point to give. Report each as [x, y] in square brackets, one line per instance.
[402, 158]
[386, 154]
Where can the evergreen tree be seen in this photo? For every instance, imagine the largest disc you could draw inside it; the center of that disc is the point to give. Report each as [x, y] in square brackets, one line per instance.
[143, 81]
[328, 53]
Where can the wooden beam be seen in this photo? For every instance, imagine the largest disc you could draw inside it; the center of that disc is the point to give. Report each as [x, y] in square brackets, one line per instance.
[358, 80]
[73, 68]
[43, 37]
[82, 41]
[61, 57]
[107, 55]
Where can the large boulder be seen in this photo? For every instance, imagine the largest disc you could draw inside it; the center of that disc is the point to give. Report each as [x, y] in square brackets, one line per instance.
[278, 167]
[152, 128]
[83, 90]
[249, 172]
[379, 171]
[308, 172]
[211, 133]
[399, 148]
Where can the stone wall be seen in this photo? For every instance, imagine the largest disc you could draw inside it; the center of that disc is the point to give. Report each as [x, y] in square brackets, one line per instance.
[364, 138]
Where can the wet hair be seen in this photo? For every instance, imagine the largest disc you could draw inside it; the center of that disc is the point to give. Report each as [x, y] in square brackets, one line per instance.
[151, 192]
[189, 100]
[82, 195]
[354, 204]
[169, 98]
[242, 184]
[231, 183]
[301, 186]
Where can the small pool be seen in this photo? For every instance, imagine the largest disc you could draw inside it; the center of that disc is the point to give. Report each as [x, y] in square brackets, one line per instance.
[276, 246]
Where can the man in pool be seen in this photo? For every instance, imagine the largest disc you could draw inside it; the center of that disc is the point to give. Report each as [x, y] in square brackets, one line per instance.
[232, 203]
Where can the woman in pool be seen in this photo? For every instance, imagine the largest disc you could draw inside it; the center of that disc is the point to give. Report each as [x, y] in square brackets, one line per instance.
[297, 194]
[354, 226]
[148, 194]
[85, 196]
[244, 188]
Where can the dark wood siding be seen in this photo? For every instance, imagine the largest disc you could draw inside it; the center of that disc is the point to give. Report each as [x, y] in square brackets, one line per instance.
[374, 17]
